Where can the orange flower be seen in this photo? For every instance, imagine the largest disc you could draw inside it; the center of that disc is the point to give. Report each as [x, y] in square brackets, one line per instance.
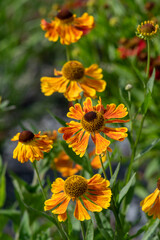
[73, 79]
[95, 163]
[92, 122]
[67, 26]
[31, 146]
[151, 204]
[52, 135]
[93, 194]
[65, 165]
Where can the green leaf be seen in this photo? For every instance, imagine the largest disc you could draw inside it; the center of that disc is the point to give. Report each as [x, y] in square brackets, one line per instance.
[125, 189]
[90, 231]
[150, 82]
[2, 183]
[83, 161]
[12, 214]
[147, 149]
[115, 174]
[24, 229]
[151, 231]
[61, 121]
[104, 231]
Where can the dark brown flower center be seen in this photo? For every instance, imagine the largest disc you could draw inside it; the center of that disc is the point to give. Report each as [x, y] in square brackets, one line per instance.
[75, 186]
[73, 70]
[64, 14]
[26, 136]
[158, 184]
[92, 121]
[147, 28]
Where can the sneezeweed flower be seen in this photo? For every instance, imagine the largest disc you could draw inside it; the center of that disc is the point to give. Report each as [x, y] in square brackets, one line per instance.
[95, 161]
[31, 146]
[151, 204]
[67, 26]
[63, 164]
[91, 194]
[92, 122]
[131, 47]
[74, 79]
[147, 30]
[52, 135]
[155, 63]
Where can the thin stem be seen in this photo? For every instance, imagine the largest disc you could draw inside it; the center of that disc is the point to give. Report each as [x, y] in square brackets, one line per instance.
[104, 173]
[36, 169]
[83, 230]
[67, 53]
[148, 57]
[118, 222]
[109, 162]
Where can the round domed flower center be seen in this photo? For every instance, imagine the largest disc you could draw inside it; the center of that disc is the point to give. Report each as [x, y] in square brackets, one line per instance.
[158, 184]
[26, 136]
[92, 121]
[75, 186]
[73, 70]
[64, 14]
[147, 28]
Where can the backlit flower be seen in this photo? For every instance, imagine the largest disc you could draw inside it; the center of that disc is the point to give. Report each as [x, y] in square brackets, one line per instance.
[131, 47]
[155, 63]
[31, 146]
[91, 194]
[95, 161]
[92, 122]
[147, 29]
[74, 79]
[151, 204]
[67, 26]
[63, 164]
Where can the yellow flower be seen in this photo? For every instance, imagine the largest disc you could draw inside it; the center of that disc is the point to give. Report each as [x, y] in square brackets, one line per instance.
[91, 122]
[52, 135]
[151, 204]
[147, 30]
[67, 26]
[74, 79]
[65, 165]
[31, 146]
[93, 194]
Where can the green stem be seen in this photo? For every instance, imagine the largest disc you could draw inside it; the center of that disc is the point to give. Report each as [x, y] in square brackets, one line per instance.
[83, 230]
[104, 173]
[109, 162]
[118, 222]
[67, 53]
[148, 57]
[36, 170]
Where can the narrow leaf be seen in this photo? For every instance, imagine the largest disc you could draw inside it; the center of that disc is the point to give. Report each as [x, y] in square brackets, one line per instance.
[114, 177]
[90, 231]
[2, 183]
[125, 189]
[151, 230]
[61, 121]
[24, 230]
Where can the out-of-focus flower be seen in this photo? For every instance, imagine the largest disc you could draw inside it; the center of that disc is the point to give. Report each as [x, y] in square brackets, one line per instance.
[149, 6]
[151, 204]
[155, 63]
[94, 193]
[31, 146]
[52, 135]
[92, 122]
[147, 30]
[74, 79]
[131, 47]
[95, 162]
[67, 26]
[65, 165]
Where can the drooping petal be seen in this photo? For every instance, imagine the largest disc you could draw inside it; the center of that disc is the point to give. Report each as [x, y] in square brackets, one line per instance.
[62, 207]
[100, 142]
[56, 199]
[62, 217]
[51, 29]
[88, 91]
[58, 185]
[73, 91]
[116, 133]
[147, 203]
[98, 85]
[68, 132]
[155, 209]
[101, 200]
[80, 212]
[115, 112]
[91, 206]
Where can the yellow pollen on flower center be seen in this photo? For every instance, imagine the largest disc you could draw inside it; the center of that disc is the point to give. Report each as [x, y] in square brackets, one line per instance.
[73, 70]
[158, 184]
[147, 28]
[92, 121]
[26, 136]
[75, 186]
[64, 14]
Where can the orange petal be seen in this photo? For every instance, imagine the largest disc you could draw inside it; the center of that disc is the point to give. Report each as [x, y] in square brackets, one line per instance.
[71, 130]
[62, 207]
[80, 212]
[147, 203]
[16, 137]
[56, 199]
[102, 201]
[88, 91]
[62, 217]
[91, 206]
[84, 20]
[98, 85]
[155, 209]
[75, 112]
[100, 142]
[115, 112]
[58, 185]
[73, 91]
[116, 133]
[87, 105]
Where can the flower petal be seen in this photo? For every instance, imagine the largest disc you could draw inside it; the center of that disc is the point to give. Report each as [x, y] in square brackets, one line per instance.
[100, 142]
[116, 133]
[115, 112]
[91, 206]
[80, 212]
[73, 91]
[75, 112]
